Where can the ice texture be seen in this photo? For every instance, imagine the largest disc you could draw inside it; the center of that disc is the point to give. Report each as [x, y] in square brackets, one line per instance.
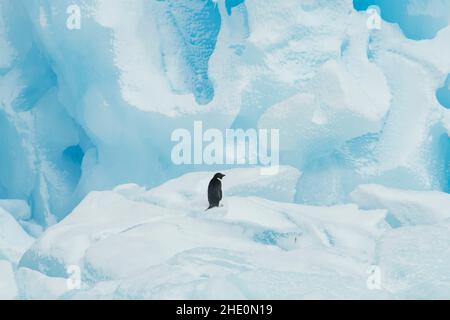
[19, 209]
[8, 287]
[93, 108]
[139, 246]
[407, 207]
[160, 243]
[86, 176]
[143, 244]
[14, 241]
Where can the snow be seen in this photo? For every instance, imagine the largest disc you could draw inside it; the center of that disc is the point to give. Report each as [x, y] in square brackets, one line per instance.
[243, 182]
[116, 89]
[34, 285]
[14, 241]
[409, 208]
[87, 179]
[160, 243]
[135, 248]
[414, 261]
[8, 288]
[19, 209]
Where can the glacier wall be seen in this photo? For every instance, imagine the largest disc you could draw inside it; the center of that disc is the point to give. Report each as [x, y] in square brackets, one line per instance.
[418, 19]
[89, 109]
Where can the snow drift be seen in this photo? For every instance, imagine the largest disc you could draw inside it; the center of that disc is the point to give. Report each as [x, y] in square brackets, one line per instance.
[86, 177]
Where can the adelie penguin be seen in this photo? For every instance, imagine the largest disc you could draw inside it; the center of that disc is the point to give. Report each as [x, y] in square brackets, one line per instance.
[215, 191]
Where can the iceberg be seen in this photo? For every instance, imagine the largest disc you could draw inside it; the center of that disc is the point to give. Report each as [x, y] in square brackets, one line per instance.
[408, 208]
[159, 243]
[19, 209]
[412, 263]
[8, 287]
[114, 90]
[14, 241]
[140, 246]
[92, 91]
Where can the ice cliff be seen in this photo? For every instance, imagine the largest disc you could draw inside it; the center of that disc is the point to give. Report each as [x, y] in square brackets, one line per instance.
[86, 176]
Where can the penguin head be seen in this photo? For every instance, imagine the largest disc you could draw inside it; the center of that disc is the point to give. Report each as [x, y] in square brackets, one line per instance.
[219, 176]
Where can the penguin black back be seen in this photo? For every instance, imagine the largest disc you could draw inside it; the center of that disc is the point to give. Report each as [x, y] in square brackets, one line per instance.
[215, 191]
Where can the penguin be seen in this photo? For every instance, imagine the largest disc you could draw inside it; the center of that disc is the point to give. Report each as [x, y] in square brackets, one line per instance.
[215, 190]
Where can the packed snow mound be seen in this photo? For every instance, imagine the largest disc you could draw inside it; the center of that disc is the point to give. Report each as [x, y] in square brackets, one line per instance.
[86, 118]
[189, 190]
[33, 285]
[134, 243]
[14, 241]
[8, 286]
[407, 207]
[128, 245]
[414, 261]
[19, 209]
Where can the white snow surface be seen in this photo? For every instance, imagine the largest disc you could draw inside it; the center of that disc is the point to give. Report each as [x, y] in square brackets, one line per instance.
[133, 243]
[408, 207]
[13, 239]
[85, 112]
